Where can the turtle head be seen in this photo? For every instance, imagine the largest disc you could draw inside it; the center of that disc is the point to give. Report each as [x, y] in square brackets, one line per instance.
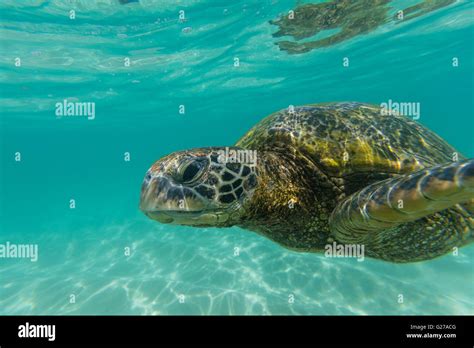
[200, 187]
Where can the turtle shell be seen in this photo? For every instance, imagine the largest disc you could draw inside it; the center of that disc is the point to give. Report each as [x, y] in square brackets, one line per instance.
[350, 139]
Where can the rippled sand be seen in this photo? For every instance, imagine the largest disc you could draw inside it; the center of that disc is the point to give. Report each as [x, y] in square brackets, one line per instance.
[167, 262]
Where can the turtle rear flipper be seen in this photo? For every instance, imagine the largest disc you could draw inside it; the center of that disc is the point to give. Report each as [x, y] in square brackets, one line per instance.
[386, 215]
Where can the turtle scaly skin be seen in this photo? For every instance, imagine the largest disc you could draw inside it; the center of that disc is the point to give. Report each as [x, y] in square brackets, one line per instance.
[316, 165]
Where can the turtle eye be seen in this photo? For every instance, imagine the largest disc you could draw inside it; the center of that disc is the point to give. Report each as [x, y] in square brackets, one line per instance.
[191, 170]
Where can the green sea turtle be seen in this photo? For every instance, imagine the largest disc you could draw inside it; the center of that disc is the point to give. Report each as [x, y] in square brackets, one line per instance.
[314, 175]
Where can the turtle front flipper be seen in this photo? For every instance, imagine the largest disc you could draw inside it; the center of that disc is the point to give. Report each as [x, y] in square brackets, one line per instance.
[410, 217]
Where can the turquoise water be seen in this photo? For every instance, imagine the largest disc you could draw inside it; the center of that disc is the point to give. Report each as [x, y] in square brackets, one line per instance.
[184, 270]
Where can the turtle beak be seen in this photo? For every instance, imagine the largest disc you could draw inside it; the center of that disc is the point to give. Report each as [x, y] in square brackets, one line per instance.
[159, 216]
[166, 201]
